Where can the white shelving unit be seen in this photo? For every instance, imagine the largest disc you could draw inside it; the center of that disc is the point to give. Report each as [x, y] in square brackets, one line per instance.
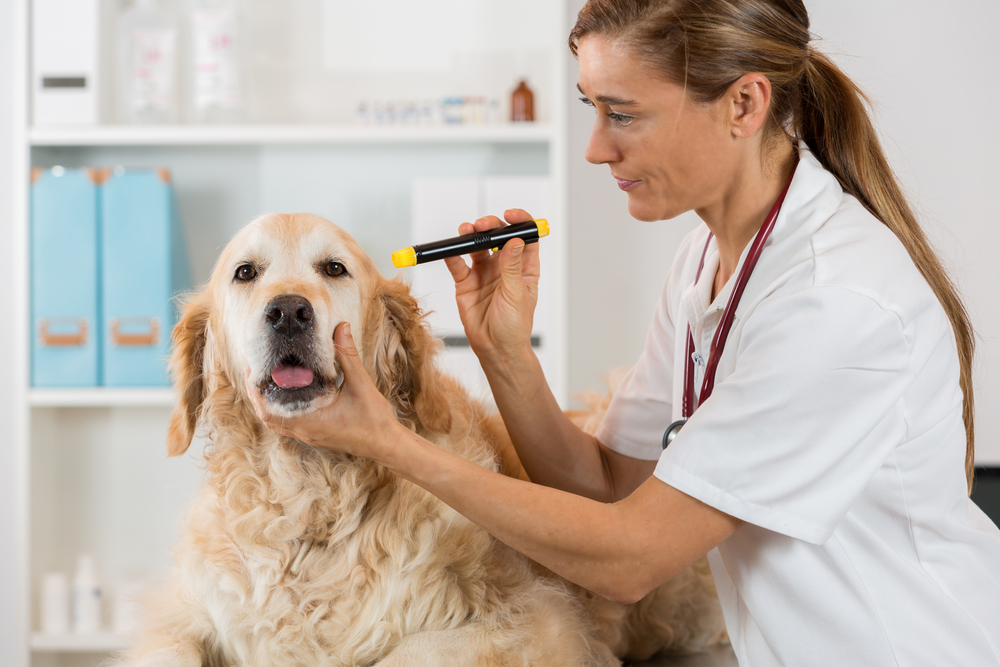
[101, 397]
[102, 643]
[90, 470]
[223, 135]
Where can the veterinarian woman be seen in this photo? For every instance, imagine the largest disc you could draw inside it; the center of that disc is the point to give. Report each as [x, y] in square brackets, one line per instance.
[826, 462]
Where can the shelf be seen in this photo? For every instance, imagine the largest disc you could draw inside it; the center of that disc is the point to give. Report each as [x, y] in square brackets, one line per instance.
[100, 397]
[210, 135]
[101, 643]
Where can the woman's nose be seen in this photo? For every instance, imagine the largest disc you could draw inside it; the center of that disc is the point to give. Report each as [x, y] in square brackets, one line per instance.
[601, 149]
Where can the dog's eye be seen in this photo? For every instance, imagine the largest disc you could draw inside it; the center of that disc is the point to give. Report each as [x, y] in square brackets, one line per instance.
[245, 273]
[334, 269]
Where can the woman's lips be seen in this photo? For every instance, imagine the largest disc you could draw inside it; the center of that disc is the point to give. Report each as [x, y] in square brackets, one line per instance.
[626, 185]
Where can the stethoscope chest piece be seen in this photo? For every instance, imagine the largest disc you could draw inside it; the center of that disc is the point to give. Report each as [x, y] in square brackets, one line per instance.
[672, 431]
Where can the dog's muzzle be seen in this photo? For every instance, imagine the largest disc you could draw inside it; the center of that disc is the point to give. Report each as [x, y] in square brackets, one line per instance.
[293, 381]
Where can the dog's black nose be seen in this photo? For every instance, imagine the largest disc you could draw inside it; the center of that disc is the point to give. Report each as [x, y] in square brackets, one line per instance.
[289, 314]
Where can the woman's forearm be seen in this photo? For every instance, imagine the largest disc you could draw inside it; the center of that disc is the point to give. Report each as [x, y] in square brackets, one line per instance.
[553, 450]
[606, 548]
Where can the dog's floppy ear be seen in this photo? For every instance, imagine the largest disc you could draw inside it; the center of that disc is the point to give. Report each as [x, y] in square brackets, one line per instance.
[403, 358]
[187, 369]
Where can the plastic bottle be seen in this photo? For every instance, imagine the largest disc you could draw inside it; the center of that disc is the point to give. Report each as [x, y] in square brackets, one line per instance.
[147, 64]
[86, 598]
[522, 103]
[216, 63]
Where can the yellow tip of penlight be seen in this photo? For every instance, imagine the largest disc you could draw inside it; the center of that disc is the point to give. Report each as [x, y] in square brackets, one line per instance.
[404, 257]
[543, 227]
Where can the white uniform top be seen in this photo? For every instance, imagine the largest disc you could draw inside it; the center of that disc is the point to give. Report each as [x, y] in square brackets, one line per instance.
[835, 431]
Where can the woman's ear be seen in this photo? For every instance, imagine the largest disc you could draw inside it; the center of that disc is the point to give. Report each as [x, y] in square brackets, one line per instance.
[403, 358]
[748, 100]
[187, 368]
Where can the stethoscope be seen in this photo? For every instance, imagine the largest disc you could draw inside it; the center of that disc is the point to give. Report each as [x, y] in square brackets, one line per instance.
[722, 332]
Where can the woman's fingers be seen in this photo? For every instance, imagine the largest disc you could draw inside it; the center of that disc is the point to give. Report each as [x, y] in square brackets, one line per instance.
[256, 398]
[459, 269]
[483, 224]
[487, 222]
[515, 215]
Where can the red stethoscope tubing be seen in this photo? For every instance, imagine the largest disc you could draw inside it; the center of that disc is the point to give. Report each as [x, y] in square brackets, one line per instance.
[722, 332]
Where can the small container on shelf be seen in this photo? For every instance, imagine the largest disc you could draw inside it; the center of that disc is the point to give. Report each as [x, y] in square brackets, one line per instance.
[147, 69]
[216, 62]
[87, 598]
[522, 103]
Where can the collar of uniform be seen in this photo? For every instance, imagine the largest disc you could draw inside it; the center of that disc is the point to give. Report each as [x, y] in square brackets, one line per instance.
[697, 298]
[813, 196]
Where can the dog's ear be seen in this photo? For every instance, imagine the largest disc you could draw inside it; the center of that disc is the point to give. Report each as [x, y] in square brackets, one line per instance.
[187, 369]
[402, 357]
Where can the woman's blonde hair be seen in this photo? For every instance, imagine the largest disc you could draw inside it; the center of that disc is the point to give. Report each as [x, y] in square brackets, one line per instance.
[706, 45]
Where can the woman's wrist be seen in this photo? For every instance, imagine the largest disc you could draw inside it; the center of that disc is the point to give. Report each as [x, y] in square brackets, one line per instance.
[507, 359]
[512, 376]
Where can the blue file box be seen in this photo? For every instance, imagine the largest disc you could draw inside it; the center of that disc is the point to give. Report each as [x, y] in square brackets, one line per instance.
[64, 277]
[143, 267]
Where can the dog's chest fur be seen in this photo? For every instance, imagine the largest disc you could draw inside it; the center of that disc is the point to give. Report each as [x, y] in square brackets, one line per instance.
[379, 545]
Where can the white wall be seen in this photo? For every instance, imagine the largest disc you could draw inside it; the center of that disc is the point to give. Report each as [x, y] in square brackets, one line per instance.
[930, 69]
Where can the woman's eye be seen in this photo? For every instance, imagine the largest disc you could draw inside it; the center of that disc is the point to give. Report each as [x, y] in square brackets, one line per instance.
[245, 273]
[587, 101]
[334, 269]
[620, 119]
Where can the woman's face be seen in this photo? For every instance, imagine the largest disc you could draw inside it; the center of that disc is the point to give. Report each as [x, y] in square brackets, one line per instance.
[669, 153]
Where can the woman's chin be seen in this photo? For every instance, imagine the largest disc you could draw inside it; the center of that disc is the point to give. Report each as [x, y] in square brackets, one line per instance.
[643, 212]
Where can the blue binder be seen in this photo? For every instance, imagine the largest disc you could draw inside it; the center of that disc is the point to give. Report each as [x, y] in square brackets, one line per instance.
[144, 267]
[64, 277]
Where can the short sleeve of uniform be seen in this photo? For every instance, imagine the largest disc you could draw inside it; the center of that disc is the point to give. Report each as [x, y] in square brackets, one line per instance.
[811, 410]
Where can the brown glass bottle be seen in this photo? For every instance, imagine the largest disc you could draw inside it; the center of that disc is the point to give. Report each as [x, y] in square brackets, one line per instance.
[522, 103]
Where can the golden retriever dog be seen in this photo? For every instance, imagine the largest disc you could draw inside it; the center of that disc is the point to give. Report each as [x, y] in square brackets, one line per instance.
[296, 556]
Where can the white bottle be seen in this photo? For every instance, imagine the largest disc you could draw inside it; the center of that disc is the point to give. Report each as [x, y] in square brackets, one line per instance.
[86, 598]
[147, 71]
[216, 55]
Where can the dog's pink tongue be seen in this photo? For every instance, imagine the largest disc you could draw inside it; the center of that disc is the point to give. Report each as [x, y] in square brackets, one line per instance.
[291, 377]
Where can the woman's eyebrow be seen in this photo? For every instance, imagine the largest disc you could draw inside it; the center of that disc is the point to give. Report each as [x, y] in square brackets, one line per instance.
[610, 101]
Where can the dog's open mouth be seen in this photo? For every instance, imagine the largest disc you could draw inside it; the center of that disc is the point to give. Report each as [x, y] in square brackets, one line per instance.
[292, 383]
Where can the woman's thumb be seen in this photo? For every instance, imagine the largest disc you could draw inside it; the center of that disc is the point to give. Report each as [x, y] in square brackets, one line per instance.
[510, 262]
[347, 354]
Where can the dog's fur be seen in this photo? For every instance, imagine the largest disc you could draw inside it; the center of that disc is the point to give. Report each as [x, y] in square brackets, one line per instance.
[393, 576]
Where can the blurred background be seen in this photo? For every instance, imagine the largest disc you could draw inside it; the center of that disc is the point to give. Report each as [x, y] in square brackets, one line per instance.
[137, 136]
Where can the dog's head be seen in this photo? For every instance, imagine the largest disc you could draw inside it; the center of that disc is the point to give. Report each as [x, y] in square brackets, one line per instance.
[277, 293]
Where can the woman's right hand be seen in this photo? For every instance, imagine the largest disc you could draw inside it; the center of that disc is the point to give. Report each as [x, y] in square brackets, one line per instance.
[497, 295]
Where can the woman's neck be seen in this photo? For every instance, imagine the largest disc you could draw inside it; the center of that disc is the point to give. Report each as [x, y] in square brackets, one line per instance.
[738, 214]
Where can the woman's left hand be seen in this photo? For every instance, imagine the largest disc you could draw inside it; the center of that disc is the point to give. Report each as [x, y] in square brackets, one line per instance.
[358, 421]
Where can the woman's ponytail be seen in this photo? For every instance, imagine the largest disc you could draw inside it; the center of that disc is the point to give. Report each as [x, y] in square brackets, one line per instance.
[832, 119]
[705, 45]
